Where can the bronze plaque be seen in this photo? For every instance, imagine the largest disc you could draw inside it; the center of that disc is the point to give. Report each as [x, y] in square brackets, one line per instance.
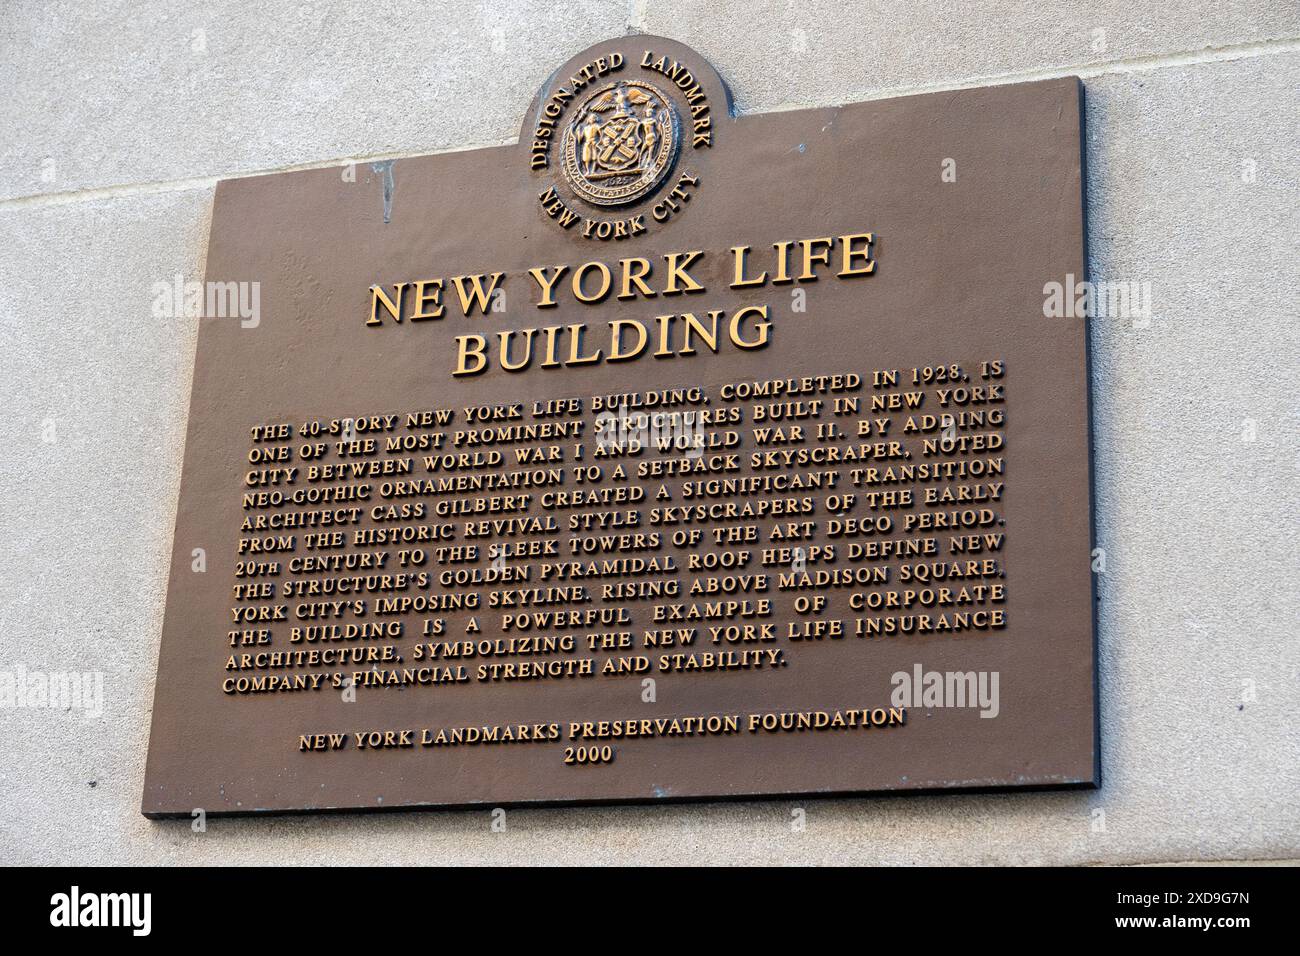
[663, 455]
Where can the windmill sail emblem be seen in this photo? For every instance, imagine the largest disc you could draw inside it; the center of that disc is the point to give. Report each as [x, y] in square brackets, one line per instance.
[620, 143]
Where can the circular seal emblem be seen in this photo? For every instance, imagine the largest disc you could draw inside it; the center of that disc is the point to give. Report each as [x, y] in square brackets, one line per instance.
[621, 143]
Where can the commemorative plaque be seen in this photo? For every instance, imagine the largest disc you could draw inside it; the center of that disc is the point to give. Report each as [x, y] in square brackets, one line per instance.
[664, 455]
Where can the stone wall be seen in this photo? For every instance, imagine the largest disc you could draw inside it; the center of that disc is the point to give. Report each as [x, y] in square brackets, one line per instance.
[118, 118]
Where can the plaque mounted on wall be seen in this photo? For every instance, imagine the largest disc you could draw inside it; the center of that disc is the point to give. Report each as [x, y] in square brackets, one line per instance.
[664, 455]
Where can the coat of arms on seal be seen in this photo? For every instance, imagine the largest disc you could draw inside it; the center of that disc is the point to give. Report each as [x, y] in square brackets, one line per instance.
[621, 143]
